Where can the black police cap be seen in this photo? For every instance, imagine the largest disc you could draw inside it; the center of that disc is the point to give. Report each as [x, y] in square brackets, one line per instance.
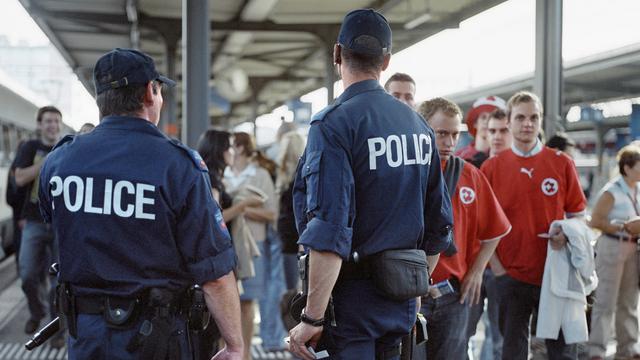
[122, 67]
[365, 22]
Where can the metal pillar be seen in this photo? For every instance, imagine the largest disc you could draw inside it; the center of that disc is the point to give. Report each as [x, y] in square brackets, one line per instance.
[195, 69]
[330, 76]
[254, 115]
[548, 76]
[169, 113]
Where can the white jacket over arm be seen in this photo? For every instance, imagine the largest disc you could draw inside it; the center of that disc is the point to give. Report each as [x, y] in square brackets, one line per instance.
[569, 276]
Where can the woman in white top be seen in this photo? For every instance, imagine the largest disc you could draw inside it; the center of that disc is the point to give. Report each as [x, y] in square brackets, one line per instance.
[615, 215]
[246, 175]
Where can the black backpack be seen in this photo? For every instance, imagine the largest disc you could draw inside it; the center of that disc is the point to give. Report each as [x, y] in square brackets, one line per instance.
[15, 194]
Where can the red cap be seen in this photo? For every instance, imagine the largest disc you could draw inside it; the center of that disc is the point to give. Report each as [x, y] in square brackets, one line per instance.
[483, 104]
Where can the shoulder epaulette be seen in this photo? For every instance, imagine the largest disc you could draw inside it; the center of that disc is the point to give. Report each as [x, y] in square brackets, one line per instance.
[193, 155]
[65, 139]
[324, 112]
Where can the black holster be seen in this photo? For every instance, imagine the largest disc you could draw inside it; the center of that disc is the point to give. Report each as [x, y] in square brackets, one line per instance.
[155, 338]
[299, 301]
[65, 303]
[197, 311]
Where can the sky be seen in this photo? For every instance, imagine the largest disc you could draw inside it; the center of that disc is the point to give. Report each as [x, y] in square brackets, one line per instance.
[486, 48]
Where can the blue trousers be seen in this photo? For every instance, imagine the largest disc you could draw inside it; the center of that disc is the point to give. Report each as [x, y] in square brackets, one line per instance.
[272, 330]
[492, 345]
[38, 250]
[517, 302]
[97, 341]
[446, 327]
[366, 322]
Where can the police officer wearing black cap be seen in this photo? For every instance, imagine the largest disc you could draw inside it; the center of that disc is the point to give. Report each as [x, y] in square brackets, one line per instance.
[368, 186]
[138, 226]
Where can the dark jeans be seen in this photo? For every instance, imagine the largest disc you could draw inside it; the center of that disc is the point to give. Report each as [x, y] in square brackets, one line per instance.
[492, 345]
[517, 302]
[17, 236]
[38, 250]
[446, 327]
[97, 340]
[367, 323]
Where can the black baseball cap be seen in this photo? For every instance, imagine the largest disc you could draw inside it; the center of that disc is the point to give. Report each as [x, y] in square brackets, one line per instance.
[122, 67]
[368, 22]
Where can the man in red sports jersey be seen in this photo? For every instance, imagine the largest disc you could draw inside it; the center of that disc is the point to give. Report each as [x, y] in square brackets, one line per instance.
[535, 185]
[479, 223]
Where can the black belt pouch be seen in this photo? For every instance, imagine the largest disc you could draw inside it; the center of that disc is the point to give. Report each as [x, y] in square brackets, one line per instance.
[401, 274]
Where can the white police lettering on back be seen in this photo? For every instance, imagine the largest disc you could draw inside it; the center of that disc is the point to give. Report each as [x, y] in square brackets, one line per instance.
[395, 148]
[112, 196]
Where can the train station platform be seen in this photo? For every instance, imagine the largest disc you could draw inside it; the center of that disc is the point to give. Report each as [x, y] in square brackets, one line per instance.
[14, 314]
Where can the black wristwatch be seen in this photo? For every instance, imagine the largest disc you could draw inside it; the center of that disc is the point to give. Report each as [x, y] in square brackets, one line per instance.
[311, 321]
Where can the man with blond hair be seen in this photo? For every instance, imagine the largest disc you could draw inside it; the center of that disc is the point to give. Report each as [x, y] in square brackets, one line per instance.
[535, 186]
[458, 276]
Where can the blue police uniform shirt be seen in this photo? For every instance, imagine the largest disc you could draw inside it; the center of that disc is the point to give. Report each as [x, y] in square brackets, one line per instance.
[132, 209]
[370, 179]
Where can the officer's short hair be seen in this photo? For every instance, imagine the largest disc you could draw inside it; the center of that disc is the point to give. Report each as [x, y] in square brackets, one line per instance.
[362, 62]
[523, 97]
[400, 77]
[46, 109]
[124, 101]
[428, 108]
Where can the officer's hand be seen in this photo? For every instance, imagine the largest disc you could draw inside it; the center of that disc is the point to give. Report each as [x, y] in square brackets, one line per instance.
[557, 239]
[471, 288]
[304, 335]
[227, 354]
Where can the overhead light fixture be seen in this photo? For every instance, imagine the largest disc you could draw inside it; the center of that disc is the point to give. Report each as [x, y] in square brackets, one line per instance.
[417, 21]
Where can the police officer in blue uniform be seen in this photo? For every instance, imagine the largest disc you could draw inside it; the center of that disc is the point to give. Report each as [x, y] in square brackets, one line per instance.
[138, 226]
[369, 181]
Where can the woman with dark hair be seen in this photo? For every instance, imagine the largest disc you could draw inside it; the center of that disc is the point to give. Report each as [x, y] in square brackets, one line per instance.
[215, 149]
[214, 146]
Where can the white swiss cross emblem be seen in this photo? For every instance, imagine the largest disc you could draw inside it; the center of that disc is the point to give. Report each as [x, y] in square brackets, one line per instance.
[549, 186]
[467, 195]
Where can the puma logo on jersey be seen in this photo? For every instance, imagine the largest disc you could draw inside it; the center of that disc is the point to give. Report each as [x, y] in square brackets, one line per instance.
[395, 150]
[529, 172]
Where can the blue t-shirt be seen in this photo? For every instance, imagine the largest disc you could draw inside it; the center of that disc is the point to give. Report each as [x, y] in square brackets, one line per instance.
[132, 209]
[370, 178]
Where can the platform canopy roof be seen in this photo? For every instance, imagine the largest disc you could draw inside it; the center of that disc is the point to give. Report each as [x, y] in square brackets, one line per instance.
[606, 76]
[279, 48]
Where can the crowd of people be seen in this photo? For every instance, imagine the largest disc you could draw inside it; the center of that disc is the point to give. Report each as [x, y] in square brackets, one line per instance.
[500, 223]
[507, 146]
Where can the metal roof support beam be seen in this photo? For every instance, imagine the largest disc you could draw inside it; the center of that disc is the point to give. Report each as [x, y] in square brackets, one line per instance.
[547, 79]
[195, 69]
